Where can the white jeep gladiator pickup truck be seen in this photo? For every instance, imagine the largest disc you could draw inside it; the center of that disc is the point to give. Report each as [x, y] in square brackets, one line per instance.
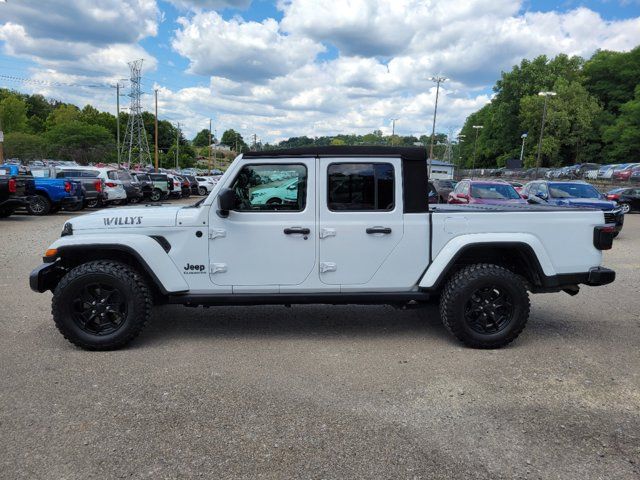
[330, 225]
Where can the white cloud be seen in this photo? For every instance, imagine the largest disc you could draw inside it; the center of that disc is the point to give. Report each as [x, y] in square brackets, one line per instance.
[237, 49]
[211, 4]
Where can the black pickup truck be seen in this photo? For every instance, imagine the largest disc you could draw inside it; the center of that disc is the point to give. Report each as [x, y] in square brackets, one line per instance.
[13, 192]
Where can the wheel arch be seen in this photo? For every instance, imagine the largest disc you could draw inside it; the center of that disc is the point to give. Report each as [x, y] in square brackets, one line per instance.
[520, 257]
[146, 254]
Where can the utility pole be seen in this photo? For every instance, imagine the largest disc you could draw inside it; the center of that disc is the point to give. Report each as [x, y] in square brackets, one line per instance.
[177, 145]
[1, 143]
[155, 157]
[118, 121]
[136, 146]
[438, 81]
[210, 146]
[393, 130]
[255, 142]
[544, 116]
[475, 148]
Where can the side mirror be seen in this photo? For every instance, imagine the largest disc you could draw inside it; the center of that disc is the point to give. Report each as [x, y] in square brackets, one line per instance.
[541, 196]
[227, 200]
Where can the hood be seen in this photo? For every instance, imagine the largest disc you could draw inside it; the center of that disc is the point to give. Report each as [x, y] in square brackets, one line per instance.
[586, 202]
[122, 218]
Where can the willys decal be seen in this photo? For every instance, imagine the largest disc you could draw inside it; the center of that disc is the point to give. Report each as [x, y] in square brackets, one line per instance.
[117, 221]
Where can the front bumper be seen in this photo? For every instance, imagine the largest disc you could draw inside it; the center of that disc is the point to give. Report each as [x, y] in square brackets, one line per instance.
[45, 277]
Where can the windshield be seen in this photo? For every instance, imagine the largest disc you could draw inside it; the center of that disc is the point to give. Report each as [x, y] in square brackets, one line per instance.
[446, 183]
[573, 190]
[495, 191]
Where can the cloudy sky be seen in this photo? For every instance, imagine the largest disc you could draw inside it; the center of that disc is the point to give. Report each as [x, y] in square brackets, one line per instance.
[297, 67]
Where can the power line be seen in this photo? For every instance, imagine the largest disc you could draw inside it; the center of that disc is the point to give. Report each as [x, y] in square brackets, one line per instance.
[14, 78]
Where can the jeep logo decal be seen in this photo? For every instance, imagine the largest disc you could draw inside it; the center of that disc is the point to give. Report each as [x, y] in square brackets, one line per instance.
[113, 221]
[189, 268]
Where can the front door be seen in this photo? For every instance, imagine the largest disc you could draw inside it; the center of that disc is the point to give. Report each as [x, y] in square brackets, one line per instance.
[360, 217]
[269, 239]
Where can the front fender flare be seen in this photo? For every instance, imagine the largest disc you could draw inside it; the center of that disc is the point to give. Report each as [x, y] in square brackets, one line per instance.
[146, 250]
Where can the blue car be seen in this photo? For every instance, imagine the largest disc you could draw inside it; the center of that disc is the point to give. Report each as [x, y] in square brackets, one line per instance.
[573, 194]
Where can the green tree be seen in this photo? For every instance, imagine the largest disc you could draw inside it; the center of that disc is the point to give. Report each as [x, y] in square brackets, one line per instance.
[202, 138]
[80, 142]
[25, 146]
[623, 136]
[62, 114]
[13, 114]
[234, 140]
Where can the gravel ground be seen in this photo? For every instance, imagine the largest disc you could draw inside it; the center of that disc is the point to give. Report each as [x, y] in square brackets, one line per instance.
[321, 392]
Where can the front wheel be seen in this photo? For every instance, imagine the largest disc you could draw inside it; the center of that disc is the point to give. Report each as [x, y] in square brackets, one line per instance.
[156, 195]
[202, 191]
[485, 306]
[101, 305]
[625, 207]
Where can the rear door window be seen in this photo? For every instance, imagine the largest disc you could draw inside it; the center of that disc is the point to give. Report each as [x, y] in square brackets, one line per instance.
[360, 186]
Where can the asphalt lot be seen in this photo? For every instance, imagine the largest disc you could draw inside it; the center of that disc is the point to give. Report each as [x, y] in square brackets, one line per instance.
[321, 392]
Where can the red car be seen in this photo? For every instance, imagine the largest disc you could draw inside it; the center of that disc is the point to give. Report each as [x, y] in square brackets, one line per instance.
[487, 192]
[625, 173]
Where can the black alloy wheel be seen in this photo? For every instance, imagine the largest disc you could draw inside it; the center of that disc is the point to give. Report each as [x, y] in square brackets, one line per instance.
[100, 309]
[489, 310]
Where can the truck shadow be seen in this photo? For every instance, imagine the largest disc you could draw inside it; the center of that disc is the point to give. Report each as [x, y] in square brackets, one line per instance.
[310, 321]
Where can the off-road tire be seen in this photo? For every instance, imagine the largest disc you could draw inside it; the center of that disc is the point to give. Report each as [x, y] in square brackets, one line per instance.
[42, 205]
[462, 286]
[202, 191]
[128, 281]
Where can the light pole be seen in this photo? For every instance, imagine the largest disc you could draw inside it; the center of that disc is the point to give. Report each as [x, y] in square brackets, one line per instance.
[461, 138]
[544, 116]
[438, 81]
[475, 148]
[523, 137]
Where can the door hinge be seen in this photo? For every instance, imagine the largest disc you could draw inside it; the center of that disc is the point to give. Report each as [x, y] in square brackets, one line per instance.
[328, 267]
[327, 232]
[218, 268]
[217, 233]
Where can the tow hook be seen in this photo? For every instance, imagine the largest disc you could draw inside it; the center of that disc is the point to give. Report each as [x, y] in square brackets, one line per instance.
[572, 290]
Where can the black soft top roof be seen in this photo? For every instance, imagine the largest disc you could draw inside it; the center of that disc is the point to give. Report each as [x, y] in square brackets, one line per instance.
[414, 167]
[406, 153]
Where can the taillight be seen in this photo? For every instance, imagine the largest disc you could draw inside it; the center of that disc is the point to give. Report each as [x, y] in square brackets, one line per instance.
[13, 185]
[603, 237]
[98, 185]
[67, 187]
[613, 197]
[111, 184]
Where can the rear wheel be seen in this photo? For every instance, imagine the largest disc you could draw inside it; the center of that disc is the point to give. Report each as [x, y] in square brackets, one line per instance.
[101, 305]
[39, 205]
[485, 306]
[625, 207]
[156, 195]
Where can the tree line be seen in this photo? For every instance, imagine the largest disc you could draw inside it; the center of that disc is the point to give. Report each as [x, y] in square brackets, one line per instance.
[594, 116]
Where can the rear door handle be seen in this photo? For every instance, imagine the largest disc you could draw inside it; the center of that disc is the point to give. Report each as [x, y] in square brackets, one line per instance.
[372, 230]
[297, 230]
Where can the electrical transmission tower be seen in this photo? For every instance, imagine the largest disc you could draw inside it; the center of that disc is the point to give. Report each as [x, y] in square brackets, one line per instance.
[135, 147]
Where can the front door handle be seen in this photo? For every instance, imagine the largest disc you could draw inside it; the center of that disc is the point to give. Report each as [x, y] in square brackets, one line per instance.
[372, 230]
[297, 230]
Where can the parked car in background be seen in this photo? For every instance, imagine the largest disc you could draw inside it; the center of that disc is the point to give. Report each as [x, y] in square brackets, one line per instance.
[185, 185]
[627, 198]
[606, 171]
[113, 187]
[624, 174]
[489, 192]
[144, 182]
[584, 168]
[93, 186]
[444, 187]
[517, 185]
[52, 194]
[13, 191]
[576, 193]
[193, 183]
[205, 185]
[433, 194]
[635, 176]
[131, 186]
[175, 186]
[162, 186]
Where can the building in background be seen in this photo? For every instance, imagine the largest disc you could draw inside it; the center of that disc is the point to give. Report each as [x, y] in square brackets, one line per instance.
[440, 170]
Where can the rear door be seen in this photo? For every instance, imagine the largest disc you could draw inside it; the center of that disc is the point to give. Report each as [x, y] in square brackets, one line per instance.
[360, 217]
